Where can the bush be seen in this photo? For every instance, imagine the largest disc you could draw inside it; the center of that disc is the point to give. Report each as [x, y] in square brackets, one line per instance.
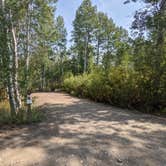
[3, 94]
[21, 117]
[118, 86]
[4, 106]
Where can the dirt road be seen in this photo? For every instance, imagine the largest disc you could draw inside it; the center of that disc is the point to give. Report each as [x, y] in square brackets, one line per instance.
[79, 132]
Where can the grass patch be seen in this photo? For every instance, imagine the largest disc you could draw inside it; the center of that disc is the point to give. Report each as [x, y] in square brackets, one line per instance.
[21, 117]
[4, 106]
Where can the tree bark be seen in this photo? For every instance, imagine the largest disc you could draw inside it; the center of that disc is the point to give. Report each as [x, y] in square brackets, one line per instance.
[7, 59]
[12, 102]
[98, 51]
[15, 69]
[86, 52]
[43, 81]
[27, 56]
[62, 69]
[85, 58]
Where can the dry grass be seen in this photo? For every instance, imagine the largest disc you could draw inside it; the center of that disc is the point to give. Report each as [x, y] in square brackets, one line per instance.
[21, 117]
[4, 106]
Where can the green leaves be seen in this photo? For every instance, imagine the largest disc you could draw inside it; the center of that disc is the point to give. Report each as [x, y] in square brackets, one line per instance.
[96, 38]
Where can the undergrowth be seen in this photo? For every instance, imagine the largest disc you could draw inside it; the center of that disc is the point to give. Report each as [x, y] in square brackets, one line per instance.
[127, 89]
[21, 117]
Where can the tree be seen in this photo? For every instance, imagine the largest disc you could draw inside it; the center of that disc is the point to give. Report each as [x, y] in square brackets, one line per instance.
[22, 32]
[60, 45]
[149, 26]
[83, 31]
[100, 31]
[9, 50]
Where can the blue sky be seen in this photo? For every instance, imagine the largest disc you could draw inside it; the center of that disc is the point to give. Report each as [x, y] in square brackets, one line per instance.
[120, 13]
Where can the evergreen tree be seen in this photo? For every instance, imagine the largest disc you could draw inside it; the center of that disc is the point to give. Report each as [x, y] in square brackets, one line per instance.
[83, 33]
[61, 42]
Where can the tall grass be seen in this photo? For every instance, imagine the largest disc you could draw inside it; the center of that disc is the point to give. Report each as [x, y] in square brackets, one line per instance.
[4, 106]
[21, 117]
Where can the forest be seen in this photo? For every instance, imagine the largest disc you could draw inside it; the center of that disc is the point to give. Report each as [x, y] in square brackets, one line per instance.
[78, 87]
[104, 62]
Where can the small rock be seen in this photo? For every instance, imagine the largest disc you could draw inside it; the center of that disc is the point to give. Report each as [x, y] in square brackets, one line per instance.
[119, 161]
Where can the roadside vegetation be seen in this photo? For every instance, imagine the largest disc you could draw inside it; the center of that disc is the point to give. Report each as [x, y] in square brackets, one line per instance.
[104, 62]
[21, 117]
[126, 90]
[120, 70]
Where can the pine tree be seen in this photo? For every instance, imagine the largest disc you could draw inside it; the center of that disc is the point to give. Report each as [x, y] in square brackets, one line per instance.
[61, 42]
[83, 33]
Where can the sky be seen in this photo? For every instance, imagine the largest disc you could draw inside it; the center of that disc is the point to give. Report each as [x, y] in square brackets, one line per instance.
[120, 13]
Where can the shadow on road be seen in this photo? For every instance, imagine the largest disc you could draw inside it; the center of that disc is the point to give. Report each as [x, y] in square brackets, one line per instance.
[86, 133]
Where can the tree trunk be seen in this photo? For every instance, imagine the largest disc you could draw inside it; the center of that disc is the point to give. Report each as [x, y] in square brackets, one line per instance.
[43, 82]
[85, 58]
[86, 52]
[98, 51]
[15, 69]
[27, 56]
[12, 102]
[62, 70]
[7, 60]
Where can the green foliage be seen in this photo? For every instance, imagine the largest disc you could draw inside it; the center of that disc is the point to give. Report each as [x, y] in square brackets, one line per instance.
[83, 34]
[131, 72]
[21, 117]
[4, 106]
[128, 72]
[119, 87]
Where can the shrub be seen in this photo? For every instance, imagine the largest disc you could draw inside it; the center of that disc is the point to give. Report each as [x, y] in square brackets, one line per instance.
[21, 117]
[118, 86]
[4, 106]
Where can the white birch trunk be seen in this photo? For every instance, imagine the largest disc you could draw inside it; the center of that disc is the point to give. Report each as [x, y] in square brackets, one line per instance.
[13, 105]
[15, 69]
[7, 61]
